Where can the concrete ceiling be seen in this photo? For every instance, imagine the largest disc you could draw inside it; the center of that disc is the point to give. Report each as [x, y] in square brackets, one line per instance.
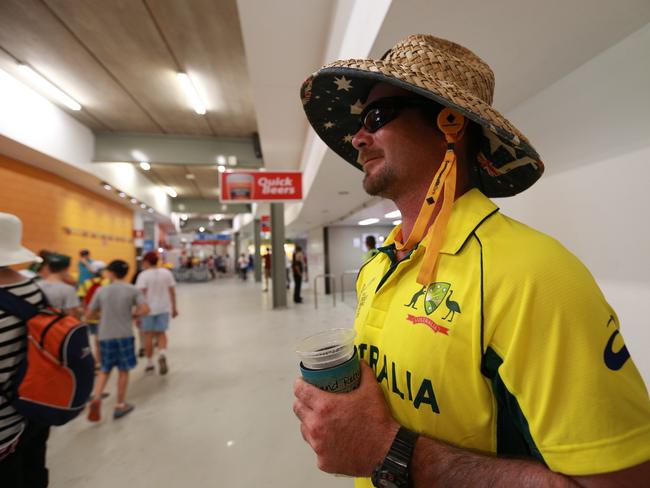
[119, 59]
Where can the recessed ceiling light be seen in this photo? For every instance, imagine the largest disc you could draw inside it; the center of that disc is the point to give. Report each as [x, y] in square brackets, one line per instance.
[222, 169]
[107, 187]
[190, 176]
[191, 93]
[122, 194]
[224, 207]
[232, 160]
[368, 221]
[221, 160]
[393, 215]
[171, 192]
[145, 165]
[201, 229]
[142, 205]
[397, 222]
[150, 210]
[218, 217]
[49, 88]
[133, 200]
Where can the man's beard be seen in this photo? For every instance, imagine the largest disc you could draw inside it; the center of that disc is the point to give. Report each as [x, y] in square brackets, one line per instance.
[380, 182]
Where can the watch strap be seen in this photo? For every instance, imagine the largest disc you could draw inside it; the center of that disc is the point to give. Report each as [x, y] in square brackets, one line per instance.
[398, 459]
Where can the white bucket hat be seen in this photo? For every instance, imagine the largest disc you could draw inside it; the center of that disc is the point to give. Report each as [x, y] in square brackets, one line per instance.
[11, 251]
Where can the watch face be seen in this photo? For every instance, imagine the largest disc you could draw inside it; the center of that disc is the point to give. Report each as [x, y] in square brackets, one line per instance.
[385, 479]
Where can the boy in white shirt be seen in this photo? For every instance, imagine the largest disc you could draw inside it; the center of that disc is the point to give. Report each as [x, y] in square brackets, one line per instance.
[159, 288]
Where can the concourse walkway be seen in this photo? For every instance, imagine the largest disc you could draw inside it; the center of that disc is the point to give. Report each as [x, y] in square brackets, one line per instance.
[222, 417]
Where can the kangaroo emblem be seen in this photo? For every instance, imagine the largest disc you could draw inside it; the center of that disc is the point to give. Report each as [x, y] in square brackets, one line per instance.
[416, 297]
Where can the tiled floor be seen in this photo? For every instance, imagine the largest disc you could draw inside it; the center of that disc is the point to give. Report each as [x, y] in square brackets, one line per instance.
[222, 417]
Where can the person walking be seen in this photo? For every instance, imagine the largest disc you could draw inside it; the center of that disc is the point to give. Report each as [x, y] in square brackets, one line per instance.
[505, 374]
[297, 267]
[266, 268]
[23, 442]
[60, 294]
[116, 304]
[159, 289]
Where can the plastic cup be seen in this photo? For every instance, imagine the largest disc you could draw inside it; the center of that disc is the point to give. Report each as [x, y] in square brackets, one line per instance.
[329, 360]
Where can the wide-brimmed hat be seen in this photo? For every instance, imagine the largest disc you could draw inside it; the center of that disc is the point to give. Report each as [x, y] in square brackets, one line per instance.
[11, 250]
[435, 68]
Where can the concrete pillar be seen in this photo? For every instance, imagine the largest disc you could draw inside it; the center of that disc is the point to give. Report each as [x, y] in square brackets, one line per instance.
[237, 252]
[278, 274]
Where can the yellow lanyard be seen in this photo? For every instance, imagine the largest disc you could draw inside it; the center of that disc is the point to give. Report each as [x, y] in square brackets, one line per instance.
[451, 123]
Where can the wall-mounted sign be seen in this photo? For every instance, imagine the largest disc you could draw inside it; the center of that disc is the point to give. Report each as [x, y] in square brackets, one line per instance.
[260, 186]
[213, 237]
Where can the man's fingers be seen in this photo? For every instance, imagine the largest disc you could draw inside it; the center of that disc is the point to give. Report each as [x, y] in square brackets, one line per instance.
[305, 392]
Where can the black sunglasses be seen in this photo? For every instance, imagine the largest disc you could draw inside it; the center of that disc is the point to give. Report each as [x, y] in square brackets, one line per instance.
[380, 112]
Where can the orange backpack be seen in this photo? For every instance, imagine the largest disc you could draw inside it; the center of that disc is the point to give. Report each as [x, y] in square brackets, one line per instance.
[56, 377]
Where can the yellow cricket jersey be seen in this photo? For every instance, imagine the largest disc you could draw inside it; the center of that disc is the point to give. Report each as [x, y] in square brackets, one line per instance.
[513, 350]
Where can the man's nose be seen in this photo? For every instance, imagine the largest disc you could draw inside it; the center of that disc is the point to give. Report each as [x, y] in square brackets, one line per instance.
[362, 138]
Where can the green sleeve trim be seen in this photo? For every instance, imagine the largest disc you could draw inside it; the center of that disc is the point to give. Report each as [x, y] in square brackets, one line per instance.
[513, 433]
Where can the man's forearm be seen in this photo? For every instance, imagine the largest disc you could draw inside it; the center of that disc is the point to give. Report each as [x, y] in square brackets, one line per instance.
[437, 464]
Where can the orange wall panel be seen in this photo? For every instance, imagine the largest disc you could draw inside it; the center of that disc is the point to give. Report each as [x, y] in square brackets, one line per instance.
[60, 216]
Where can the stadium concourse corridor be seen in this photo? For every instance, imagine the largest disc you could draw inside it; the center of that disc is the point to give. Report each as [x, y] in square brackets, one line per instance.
[222, 416]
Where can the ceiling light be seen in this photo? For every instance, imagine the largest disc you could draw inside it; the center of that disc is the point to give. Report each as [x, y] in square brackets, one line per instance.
[397, 222]
[107, 187]
[221, 169]
[122, 194]
[232, 160]
[183, 217]
[191, 93]
[393, 215]
[133, 200]
[224, 207]
[190, 176]
[201, 229]
[49, 88]
[171, 192]
[221, 159]
[368, 221]
[145, 166]
[150, 210]
[142, 205]
[218, 217]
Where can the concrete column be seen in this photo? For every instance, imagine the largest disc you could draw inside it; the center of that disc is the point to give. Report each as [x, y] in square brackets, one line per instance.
[257, 240]
[278, 274]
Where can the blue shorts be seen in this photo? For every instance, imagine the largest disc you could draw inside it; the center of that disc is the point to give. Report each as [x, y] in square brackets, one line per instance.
[118, 353]
[155, 323]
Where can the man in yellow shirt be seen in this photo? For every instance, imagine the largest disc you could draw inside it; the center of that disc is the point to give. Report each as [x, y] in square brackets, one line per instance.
[497, 360]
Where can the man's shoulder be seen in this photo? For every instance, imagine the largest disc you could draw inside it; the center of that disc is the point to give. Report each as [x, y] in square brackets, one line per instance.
[520, 252]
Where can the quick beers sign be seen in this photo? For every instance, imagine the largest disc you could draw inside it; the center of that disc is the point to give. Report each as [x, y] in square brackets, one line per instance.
[261, 186]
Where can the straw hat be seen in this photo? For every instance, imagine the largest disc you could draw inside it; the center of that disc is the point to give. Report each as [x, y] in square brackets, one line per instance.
[11, 233]
[434, 68]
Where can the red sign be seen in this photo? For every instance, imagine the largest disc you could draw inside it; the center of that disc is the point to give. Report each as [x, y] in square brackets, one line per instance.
[138, 233]
[265, 223]
[261, 186]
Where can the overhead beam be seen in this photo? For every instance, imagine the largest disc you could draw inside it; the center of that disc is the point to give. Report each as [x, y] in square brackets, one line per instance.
[205, 206]
[173, 149]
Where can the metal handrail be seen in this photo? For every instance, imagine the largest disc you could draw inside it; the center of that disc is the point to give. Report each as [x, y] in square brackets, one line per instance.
[332, 282]
[354, 272]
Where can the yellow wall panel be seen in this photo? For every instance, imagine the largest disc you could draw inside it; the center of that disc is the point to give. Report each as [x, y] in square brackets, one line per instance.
[60, 216]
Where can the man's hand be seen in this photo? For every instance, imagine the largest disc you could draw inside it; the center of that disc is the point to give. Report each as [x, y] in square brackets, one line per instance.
[174, 313]
[349, 432]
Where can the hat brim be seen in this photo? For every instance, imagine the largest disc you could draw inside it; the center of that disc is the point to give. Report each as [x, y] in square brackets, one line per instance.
[334, 96]
[21, 255]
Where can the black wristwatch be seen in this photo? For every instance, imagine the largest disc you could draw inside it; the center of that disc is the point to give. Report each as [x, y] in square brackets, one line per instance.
[393, 471]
